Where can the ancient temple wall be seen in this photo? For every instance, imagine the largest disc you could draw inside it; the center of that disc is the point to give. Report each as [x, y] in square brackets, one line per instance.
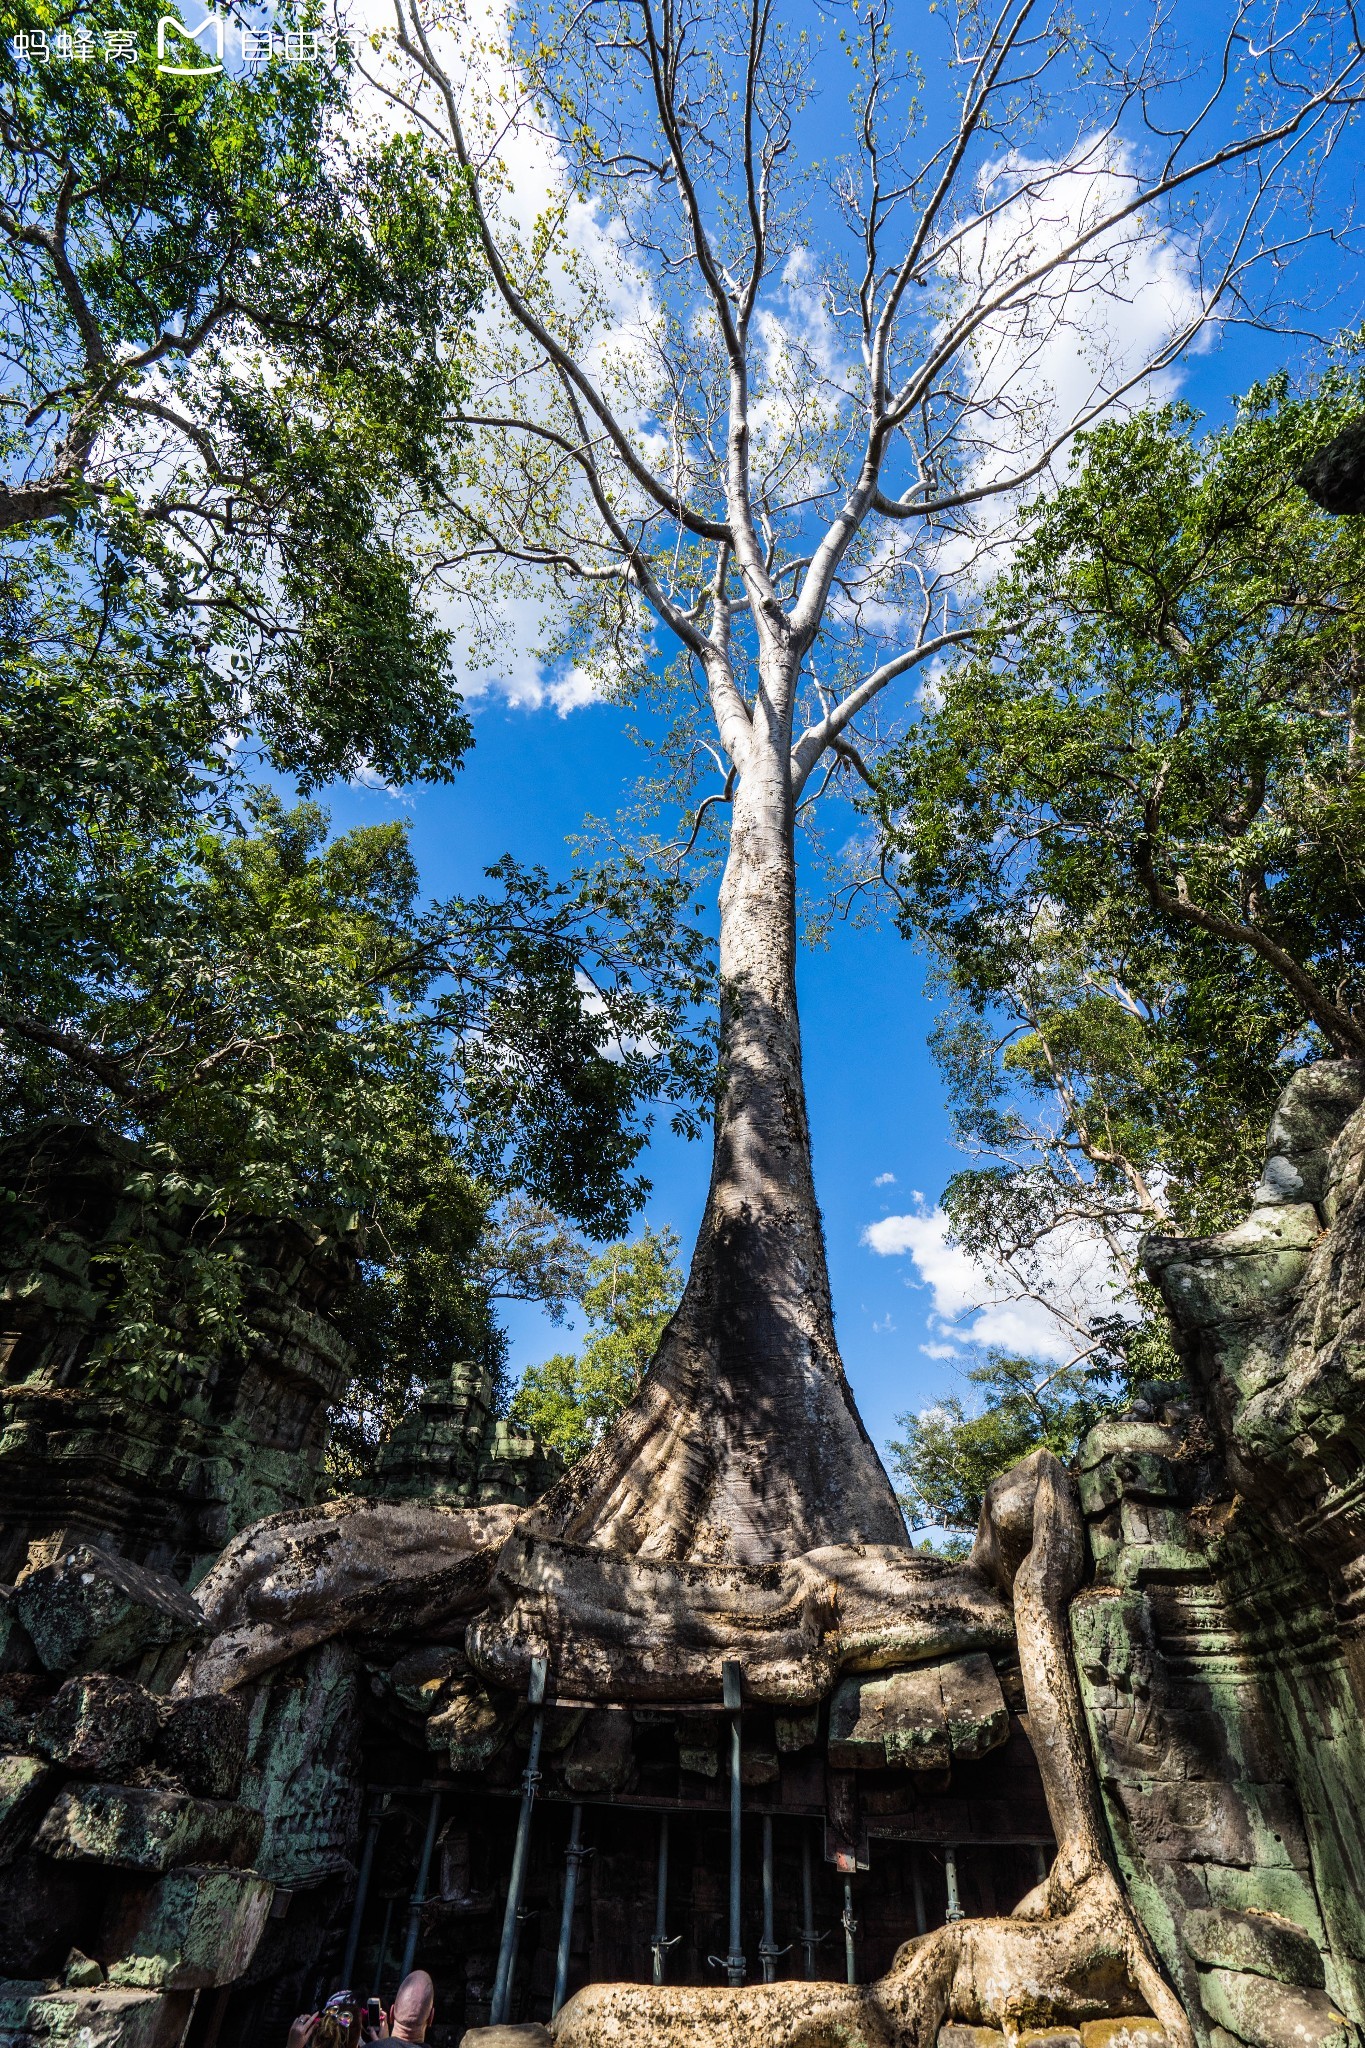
[166, 1483]
[1218, 1645]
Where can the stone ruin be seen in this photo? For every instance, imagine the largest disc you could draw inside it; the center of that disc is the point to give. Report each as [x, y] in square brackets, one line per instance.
[1100, 1785]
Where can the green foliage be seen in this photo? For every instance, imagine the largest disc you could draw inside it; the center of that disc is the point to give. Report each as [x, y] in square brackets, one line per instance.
[231, 331]
[948, 1456]
[1132, 834]
[279, 1021]
[631, 1291]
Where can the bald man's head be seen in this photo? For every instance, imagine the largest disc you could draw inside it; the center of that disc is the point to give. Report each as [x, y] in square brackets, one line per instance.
[413, 2007]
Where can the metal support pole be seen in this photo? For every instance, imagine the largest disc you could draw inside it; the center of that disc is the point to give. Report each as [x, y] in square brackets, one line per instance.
[810, 1940]
[419, 1891]
[917, 1880]
[573, 1857]
[530, 1778]
[662, 1941]
[767, 1948]
[732, 1683]
[850, 1927]
[950, 1873]
[382, 1953]
[362, 1889]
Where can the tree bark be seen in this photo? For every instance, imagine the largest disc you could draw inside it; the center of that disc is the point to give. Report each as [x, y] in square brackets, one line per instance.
[744, 1442]
[1072, 1949]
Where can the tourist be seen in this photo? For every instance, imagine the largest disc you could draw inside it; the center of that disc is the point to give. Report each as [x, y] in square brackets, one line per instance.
[412, 2009]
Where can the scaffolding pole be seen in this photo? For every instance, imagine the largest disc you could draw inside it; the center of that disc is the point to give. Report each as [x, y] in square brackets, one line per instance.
[530, 1779]
[732, 1695]
[574, 1856]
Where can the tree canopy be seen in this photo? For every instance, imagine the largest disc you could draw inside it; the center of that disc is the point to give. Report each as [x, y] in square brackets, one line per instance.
[231, 328]
[1131, 830]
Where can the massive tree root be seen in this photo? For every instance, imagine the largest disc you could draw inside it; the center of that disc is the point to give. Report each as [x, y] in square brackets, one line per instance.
[299, 1578]
[1071, 1950]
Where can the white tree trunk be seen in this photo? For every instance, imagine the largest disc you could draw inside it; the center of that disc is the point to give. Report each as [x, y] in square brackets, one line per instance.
[744, 1440]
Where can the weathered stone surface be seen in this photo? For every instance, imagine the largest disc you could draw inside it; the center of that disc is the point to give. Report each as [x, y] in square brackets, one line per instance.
[1270, 2015]
[456, 1450]
[35, 2013]
[1260, 1942]
[202, 1743]
[188, 1930]
[471, 1726]
[957, 2034]
[303, 1773]
[1049, 2037]
[97, 1725]
[16, 1647]
[142, 1828]
[974, 1706]
[796, 1732]
[92, 1611]
[898, 1720]
[1135, 2031]
[166, 1483]
[602, 1756]
[529, 2036]
[422, 1680]
[82, 1972]
[24, 1785]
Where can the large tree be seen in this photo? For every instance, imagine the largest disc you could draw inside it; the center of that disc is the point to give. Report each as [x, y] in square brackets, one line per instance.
[742, 397]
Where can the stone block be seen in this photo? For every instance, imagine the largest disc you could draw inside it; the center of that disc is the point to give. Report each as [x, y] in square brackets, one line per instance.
[82, 1972]
[973, 1706]
[897, 1720]
[188, 1930]
[202, 1743]
[603, 1752]
[421, 1680]
[98, 1726]
[34, 2013]
[1260, 1942]
[1267, 2014]
[471, 1727]
[93, 1610]
[1048, 2037]
[759, 1767]
[958, 2035]
[144, 1828]
[25, 1782]
[16, 1646]
[1135, 2030]
[797, 1731]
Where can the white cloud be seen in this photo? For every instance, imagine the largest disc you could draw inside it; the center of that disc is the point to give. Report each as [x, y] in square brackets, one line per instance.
[977, 1304]
[885, 1180]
